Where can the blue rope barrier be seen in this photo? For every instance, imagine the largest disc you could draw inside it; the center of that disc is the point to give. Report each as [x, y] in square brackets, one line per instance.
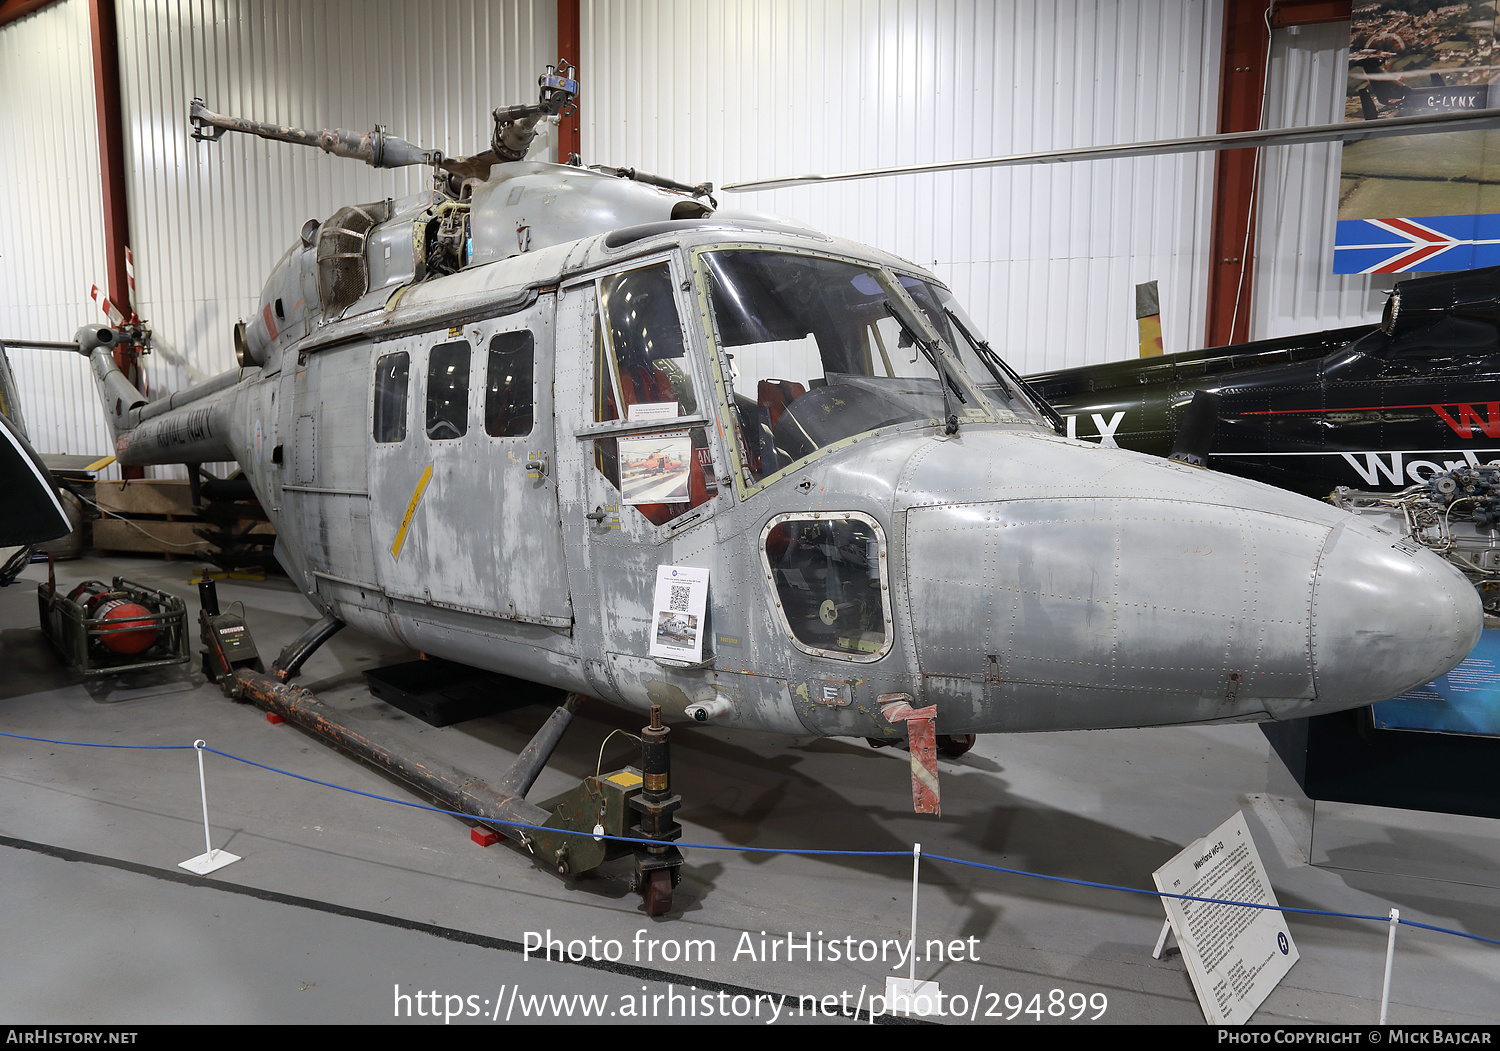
[557, 831]
[91, 744]
[1211, 901]
[807, 852]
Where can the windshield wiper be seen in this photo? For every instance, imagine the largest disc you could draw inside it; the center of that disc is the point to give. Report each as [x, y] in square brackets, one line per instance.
[1009, 376]
[935, 358]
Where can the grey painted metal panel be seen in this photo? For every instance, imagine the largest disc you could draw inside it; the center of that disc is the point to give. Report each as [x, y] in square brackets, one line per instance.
[328, 465]
[459, 520]
[1028, 569]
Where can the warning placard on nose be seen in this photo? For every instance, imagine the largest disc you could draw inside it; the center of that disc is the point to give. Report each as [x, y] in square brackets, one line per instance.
[1235, 954]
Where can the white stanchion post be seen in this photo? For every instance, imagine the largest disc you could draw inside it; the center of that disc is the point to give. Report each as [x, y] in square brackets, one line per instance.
[920, 998]
[916, 865]
[208, 840]
[210, 859]
[1390, 955]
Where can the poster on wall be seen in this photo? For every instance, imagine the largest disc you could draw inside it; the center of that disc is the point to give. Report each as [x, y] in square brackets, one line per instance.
[1420, 202]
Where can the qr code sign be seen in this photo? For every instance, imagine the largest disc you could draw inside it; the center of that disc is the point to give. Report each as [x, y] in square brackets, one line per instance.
[678, 603]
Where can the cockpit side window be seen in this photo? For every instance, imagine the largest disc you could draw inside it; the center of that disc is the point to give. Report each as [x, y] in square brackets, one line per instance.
[448, 391]
[641, 374]
[391, 373]
[649, 369]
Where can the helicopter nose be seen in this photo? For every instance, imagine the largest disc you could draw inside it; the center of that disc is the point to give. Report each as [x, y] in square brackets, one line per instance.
[1385, 617]
[1058, 587]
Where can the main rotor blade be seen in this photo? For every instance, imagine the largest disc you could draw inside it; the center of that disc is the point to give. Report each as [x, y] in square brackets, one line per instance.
[1352, 131]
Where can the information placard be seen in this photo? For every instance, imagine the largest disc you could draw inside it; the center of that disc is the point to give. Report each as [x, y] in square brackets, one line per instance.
[677, 613]
[654, 468]
[1235, 955]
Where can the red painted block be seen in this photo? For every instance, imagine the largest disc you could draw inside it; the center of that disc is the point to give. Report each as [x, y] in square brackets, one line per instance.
[483, 836]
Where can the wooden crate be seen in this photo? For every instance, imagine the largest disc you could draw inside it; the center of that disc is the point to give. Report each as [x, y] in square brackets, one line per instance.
[146, 496]
[165, 538]
[158, 518]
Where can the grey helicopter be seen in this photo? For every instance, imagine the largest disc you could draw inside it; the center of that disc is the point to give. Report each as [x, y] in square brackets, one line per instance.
[492, 420]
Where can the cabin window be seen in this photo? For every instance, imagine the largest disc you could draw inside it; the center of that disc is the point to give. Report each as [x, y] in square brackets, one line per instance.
[391, 373]
[828, 573]
[508, 400]
[448, 391]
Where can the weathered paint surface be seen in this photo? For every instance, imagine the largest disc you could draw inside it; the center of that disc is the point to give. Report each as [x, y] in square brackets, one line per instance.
[1028, 581]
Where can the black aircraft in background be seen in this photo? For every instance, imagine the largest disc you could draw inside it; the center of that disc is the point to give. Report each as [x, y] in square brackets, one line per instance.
[1377, 408]
[30, 510]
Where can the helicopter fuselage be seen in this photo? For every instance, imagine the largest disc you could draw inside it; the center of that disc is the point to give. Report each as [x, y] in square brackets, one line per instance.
[492, 465]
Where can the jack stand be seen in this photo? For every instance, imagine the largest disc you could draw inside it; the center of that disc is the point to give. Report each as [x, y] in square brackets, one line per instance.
[659, 864]
[226, 637]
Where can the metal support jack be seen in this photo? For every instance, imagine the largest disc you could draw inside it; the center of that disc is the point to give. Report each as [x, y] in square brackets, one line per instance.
[658, 863]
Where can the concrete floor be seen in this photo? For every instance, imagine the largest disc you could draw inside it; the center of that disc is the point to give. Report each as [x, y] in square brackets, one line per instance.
[345, 908]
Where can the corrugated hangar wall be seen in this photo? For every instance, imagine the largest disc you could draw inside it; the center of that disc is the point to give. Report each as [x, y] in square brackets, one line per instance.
[51, 219]
[1046, 258]
[1296, 289]
[209, 221]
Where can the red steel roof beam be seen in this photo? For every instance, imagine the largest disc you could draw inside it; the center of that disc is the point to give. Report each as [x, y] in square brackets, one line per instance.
[104, 39]
[1242, 80]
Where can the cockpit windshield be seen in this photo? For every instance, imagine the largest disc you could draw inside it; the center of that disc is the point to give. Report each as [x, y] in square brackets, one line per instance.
[820, 350]
[999, 382]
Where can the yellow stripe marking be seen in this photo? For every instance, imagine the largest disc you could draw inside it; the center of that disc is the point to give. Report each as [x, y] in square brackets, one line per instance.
[411, 509]
[99, 465]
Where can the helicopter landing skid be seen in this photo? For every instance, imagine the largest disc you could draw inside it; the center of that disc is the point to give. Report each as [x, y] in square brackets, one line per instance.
[572, 833]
